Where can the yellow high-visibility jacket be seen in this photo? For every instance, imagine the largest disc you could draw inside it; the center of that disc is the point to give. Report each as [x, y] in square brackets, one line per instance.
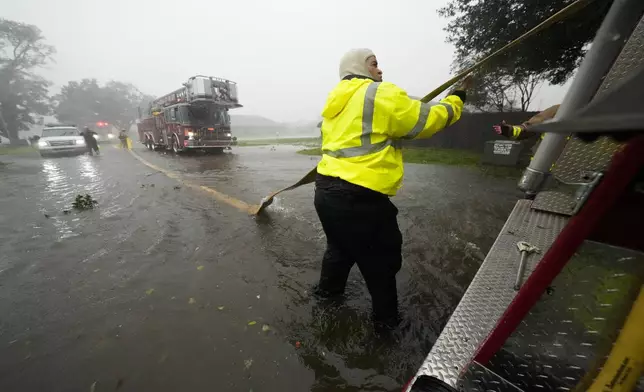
[364, 123]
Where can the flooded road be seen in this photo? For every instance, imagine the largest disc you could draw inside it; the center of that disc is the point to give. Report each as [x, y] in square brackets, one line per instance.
[163, 288]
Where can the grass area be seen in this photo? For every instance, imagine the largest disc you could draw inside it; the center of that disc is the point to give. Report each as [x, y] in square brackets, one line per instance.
[17, 150]
[308, 141]
[441, 155]
[445, 156]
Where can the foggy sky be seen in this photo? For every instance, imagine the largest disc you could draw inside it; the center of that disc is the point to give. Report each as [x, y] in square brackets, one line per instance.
[283, 54]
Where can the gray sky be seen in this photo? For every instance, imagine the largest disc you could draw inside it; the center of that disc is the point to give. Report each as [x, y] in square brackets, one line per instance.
[283, 54]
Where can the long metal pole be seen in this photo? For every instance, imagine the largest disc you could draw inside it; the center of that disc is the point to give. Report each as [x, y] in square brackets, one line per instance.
[609, 41]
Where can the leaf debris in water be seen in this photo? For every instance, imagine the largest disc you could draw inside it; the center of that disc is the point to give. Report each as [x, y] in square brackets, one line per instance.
[200, 267]
[248, 363]
[220, 307]
[192, 301]
[252, 323]
[265, 328]
[149, 291]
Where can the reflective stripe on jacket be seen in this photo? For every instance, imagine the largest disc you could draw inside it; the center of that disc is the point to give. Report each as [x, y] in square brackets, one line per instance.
[364, 123]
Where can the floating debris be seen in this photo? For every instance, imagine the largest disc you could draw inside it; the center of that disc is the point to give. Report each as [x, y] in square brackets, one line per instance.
[248, 363]
[220, 307]
[149, 291]
[265, 328]
[84, 202]
[252, 323]
[93, 387]
[200, 267]
[192, 301]
[298, 344]
[258, 297]
[177, 187]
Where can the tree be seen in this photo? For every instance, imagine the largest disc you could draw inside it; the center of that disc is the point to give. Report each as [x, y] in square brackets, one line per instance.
[124, 99]
[22, 92]
[78, 102]
[86, 102]
[503, 90]
[525, 86]
[478, 27]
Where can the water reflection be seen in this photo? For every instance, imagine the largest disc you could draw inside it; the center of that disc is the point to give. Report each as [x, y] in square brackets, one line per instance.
[65, 178]
[54, 175]
[57, 186]
[88, 169]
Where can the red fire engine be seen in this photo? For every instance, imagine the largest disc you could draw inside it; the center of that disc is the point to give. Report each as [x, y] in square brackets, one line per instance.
[194, 117]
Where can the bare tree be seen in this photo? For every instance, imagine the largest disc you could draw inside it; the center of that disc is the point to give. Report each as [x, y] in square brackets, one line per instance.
[526, 85]
[502, 89]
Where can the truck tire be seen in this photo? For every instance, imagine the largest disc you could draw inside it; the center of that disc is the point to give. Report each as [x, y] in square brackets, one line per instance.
[175, 145]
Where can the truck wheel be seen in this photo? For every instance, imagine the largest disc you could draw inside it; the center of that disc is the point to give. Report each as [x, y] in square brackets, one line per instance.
[175, 145]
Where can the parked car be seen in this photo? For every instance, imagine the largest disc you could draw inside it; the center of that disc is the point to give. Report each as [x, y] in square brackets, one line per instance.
[61, 140]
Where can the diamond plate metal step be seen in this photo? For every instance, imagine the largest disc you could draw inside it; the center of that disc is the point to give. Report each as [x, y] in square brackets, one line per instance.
[491, 291]
[564, 340]
[579, 157]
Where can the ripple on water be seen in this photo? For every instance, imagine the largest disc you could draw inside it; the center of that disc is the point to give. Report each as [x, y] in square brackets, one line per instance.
[64, 178]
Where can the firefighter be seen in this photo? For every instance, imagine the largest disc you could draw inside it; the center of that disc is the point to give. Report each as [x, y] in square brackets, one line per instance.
[123, 138]
[364, 122]
[90, 140]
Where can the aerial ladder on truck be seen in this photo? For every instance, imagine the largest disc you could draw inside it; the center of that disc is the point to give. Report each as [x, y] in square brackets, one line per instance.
[558, 303]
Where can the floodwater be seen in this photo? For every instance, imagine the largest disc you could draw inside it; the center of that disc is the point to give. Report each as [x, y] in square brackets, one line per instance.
[163, 288]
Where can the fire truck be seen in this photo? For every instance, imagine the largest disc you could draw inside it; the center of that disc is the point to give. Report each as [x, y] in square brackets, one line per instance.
[558, 303]
[194, 117]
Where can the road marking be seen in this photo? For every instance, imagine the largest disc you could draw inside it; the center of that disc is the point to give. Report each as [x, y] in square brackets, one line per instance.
[231, 201]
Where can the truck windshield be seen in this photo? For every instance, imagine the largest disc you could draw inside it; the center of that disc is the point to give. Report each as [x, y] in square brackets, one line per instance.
[60, 132]
[206, 115]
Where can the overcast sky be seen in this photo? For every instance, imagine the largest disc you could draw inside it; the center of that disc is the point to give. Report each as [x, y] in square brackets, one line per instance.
[283, 54]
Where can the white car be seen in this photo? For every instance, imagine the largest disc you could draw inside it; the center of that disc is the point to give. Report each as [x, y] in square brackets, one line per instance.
[58, 140]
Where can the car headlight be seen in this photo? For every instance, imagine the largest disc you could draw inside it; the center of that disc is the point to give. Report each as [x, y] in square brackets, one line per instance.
[110, 136]
[42, 143]
[96, 137]
[228, 134]
[80, 142]
[191, 134]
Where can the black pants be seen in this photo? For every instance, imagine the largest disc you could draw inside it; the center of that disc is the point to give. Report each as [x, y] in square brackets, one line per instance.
[92, 145]
[361, 228]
